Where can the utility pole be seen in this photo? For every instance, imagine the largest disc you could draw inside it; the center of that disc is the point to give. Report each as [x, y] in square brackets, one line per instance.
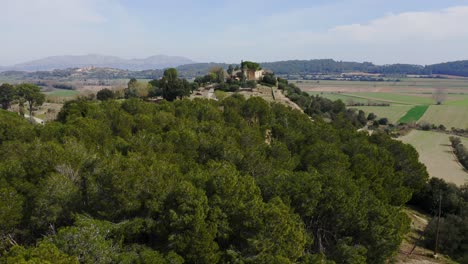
[437, 228]
[420, 237]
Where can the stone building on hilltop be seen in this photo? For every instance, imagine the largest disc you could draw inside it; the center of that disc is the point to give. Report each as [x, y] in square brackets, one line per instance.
[252, 71]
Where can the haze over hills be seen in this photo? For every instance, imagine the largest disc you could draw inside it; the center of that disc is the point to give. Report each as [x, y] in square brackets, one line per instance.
[101, 61]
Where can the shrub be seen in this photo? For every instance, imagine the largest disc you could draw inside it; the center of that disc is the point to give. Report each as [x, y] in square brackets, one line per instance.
[460, 151]
[251, 84]
[234, 88]
[269, 79]
[222, 86]
[105, 94]
[371, 116]
[455, 141]
[425, 126]
[63, 86]
[383, 121]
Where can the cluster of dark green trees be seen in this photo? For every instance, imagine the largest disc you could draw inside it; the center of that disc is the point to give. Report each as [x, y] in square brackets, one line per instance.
[21, 94]
[459, 68]
[217, 76]
[63, 86]
[453, 226]
[230, 80]
[269, 79]
[169, 87]
[236, 181]
[233, 78]
[460, 151]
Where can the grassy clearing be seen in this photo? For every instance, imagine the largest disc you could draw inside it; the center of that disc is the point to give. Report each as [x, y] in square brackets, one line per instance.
[415, 93]
[414, 114]
[60, 95]
[447, 115]
[436, 153]
[393, 112]
[221, 94]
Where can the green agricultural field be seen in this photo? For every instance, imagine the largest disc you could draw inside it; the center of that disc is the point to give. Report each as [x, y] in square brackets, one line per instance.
[415, 93]
[414, 114]
[62, 93]
[436, 153]
[393, 112]
[455, 102]
[447, 115]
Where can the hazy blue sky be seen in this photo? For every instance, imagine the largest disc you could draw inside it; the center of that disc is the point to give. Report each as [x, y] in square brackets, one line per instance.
[381, 31]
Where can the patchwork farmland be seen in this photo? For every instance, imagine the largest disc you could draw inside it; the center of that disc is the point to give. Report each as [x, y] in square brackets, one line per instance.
[408, 100]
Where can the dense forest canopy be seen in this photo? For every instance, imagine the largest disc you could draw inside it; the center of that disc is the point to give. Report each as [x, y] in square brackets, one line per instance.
[329, 66]
[236, 181]
[459, 68]
[316, 66]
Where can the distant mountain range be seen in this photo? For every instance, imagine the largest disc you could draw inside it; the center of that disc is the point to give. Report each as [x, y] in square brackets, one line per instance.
[99, 61]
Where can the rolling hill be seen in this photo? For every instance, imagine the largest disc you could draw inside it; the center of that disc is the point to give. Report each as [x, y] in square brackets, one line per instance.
[100, 61]
[329, 66]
